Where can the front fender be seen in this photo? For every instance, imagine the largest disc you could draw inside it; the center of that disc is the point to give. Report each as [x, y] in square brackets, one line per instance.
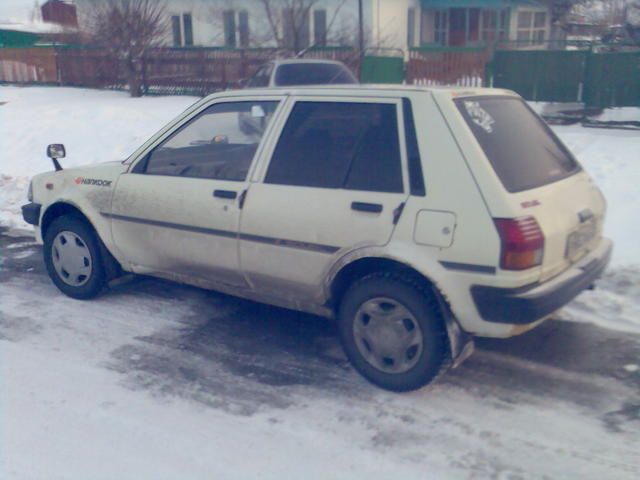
[89, 190]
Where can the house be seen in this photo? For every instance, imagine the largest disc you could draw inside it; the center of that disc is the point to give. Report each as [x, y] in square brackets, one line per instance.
[460, 23]
[388, 24]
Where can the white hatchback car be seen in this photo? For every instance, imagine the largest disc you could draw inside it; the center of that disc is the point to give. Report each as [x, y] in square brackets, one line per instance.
[301, 72]
[416, 217]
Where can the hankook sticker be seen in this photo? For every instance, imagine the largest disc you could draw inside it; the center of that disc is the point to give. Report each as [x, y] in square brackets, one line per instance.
[93, 181]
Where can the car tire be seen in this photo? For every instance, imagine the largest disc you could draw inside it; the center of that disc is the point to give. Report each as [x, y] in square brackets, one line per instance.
[390, 312]
[73, 257]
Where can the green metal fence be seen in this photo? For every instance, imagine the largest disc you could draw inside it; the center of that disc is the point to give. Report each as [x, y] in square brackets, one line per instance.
[599, 79]
[541, 75]
[612, 79]
[376, 69]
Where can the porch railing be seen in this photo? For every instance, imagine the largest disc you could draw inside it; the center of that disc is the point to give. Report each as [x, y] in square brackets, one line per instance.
[447, 66]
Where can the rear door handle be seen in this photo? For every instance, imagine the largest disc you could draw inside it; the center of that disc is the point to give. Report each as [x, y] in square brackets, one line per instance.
[225, 194]
[366, 207]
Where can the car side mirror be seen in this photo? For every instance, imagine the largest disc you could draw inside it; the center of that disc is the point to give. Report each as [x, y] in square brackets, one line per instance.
[54, 152]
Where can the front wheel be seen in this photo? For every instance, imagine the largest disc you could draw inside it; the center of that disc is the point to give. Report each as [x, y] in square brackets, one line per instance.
[392, 331]
[72, 257]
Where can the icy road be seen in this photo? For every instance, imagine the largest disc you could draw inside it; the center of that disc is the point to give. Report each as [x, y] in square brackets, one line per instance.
[155, 380]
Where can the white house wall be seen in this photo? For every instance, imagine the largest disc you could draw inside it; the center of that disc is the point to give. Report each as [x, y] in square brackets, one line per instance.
[389, 22]
[208, 25]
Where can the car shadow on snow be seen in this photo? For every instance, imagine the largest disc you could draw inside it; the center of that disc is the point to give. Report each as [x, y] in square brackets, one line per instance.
[235, 354]
[243, 356]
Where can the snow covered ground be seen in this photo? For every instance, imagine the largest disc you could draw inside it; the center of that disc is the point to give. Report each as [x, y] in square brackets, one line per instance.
[156, 380]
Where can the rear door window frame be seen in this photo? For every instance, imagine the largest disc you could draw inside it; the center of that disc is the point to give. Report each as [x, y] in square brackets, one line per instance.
[268, 150]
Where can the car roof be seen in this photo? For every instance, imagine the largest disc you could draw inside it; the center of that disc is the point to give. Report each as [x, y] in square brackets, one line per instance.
[382, 90]
[290, 61]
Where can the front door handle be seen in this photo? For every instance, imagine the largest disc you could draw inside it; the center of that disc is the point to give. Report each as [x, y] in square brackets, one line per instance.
[230, 194]
[366, 207]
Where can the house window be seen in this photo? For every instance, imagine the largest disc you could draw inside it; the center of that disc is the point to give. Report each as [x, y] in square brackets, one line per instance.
[411, 26]
[177, 31]
[296, 30]
[320, 28]
[236, 28]
[494, 25]
[229, 19]
[188, 29]
[243, 22]
[441, 27]
[531, 27]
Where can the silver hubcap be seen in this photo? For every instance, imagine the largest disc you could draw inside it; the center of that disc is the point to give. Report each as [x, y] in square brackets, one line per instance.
[387, 335]
[71, 259]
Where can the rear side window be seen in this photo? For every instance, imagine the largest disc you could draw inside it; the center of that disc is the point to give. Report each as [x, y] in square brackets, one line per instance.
[339, 145]
[313, 74]
[523, 150]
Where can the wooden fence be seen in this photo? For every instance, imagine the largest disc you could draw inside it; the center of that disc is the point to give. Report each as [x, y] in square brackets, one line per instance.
[447, 66]
[28, 65]
[162, 70]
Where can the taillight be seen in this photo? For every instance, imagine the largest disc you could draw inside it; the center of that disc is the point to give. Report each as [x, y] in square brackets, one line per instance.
[522, 242]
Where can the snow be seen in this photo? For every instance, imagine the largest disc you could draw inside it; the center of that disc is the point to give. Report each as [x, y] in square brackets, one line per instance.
[32, 27]
[148, 380]
[93, 390]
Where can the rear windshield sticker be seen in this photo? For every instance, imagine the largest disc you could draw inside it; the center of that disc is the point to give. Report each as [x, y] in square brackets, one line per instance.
[479, 116]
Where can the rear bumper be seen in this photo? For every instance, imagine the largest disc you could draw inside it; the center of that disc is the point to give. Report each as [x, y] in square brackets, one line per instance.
[533, 302]
[31, 213]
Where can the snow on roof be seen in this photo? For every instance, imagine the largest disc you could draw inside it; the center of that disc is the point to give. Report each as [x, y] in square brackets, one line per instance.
[32, 27]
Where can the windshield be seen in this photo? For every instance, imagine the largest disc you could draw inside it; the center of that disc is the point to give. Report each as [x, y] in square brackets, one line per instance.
[313, 74]
[522, 149]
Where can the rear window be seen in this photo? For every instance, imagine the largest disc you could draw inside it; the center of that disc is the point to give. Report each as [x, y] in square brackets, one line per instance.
[312, 74]
[523, 150]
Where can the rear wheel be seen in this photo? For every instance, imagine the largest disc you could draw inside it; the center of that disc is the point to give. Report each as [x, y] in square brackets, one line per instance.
[392, 331]
[72, 257]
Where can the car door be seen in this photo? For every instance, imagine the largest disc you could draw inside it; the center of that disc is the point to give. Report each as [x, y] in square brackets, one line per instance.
[177, 210]
[335, 180]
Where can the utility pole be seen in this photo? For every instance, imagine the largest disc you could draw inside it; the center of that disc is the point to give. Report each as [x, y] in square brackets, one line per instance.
[360, 38]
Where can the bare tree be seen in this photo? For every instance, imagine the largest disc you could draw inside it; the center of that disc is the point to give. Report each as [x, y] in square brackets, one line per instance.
[288, 22]
[127, 29]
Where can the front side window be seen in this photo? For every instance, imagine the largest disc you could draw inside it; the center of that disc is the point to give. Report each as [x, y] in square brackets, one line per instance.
[219, 143]
[521, 148]
[339, 145]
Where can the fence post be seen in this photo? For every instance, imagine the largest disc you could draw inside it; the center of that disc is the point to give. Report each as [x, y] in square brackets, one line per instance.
[243, 64]
[58, 69]
[203, 72]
